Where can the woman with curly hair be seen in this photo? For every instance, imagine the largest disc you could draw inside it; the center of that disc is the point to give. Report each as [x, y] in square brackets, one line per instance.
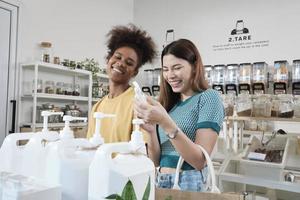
[128, 49]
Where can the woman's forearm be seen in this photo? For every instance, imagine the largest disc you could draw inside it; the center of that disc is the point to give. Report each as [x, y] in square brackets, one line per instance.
[154, 149]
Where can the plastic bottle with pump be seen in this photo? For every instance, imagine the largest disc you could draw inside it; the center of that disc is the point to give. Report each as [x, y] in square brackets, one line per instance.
[35, 151]
[97, 138]
[131, 163]
[67, 164]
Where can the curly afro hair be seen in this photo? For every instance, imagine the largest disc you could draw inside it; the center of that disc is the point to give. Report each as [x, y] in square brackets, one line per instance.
[131, 36]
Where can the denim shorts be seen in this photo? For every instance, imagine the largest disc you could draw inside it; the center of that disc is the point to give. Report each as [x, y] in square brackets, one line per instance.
[189, 180]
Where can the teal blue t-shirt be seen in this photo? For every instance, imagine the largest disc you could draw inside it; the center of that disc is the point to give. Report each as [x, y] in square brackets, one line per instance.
[202, 110]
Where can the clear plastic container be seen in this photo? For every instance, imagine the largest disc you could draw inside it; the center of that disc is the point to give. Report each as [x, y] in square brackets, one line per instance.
[262, 106]
[259, 72]
[219, 75]
[244, 105]
[245, 73]
[232, 73]
[281, 72]
[208, 74]
[156, 76]
[228, 102]
[286, 109]
[297, 107]
[296, 71]
[49, 87]
[148, 81]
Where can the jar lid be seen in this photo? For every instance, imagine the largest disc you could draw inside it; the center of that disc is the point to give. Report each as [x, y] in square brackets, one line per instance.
[245, 64]
[46, 44]
[280, 61]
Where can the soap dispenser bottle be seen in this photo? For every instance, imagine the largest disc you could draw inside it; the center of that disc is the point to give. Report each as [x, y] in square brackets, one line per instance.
[137, 141]
[35, 151]
[97, 139]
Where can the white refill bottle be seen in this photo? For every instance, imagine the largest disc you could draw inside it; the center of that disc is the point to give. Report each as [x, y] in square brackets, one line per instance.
[109, 175]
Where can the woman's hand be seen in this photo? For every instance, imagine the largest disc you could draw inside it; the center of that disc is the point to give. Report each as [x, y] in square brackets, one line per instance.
[152, 112]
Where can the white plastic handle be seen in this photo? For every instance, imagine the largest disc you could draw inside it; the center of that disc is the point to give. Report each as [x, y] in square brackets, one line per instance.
[211, 172]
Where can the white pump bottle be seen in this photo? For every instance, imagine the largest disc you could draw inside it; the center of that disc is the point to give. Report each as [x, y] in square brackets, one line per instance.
[97, 139]
[67, 133]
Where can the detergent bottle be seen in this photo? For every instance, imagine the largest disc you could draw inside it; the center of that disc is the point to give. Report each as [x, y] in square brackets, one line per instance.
[69, 159]
[131, 168]
[11, 153]
[35, 151]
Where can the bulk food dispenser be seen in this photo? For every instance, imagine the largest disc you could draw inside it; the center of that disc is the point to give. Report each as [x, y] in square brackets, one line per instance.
[218, 78]
[231, 80]
[208, 74]
[259, 77]
[296, 77]
[245, 78]
[281, 77]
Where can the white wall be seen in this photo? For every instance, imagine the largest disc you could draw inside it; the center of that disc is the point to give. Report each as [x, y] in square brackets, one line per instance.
[76, 28]
[209, 22]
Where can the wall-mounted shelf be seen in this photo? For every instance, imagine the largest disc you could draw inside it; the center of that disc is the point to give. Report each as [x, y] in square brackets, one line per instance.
[56, 96]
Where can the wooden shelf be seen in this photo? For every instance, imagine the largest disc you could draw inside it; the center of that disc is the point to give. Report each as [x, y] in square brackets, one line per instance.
[238, 118]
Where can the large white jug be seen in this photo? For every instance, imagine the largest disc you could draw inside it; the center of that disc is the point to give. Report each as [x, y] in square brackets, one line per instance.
[108, 175]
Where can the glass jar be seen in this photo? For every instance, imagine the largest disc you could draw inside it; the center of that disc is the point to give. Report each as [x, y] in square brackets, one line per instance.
[68, 88]
[262, 106]
[60, 88]
[208, 74]
[46, 51]
[285, 107]
[244, 105]
[297, 107]
[76, 91]
[49, 87]
[39, 88]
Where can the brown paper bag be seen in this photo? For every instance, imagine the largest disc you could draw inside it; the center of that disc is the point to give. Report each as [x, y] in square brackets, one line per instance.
[170, 194]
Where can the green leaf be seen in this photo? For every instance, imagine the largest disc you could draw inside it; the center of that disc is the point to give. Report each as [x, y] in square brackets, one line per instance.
[128, 191]
[114, 196]
[168, 198]
[147, 191]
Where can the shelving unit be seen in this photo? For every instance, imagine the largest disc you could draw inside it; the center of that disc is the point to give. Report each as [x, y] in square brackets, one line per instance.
[29, 98]
[235, 173]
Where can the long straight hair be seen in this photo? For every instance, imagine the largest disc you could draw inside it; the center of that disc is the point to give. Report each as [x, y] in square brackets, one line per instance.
[183, 49]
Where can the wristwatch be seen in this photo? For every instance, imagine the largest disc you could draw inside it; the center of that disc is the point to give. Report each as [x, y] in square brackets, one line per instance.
[173, 134]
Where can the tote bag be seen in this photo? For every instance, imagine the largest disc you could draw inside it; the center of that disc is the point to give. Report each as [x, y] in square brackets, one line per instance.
[210, 185]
